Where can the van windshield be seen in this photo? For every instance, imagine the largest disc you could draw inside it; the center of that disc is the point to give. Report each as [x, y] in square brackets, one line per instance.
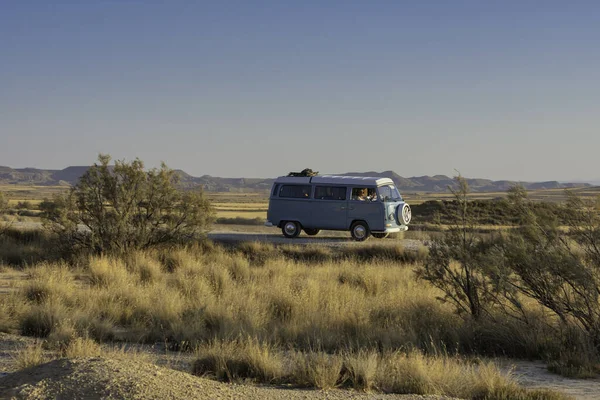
[389, 193]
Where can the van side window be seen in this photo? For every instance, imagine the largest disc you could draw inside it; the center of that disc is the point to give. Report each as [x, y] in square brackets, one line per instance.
[275, 190]
[295, 191]
[330, 193]
[364, 194]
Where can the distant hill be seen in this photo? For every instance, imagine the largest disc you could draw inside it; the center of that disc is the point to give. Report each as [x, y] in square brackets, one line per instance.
[436, 183]
[440, 183]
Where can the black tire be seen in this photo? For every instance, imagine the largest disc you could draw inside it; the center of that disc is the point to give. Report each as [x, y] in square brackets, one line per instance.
[290, 229]
[360, 231]
[311, 232]
[380, 235]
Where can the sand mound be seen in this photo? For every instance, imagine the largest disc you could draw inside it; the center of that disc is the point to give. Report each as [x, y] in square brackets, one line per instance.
[97, 378]
[100, 378]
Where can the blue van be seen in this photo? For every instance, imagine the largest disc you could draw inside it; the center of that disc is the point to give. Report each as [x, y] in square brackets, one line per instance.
[365, 206]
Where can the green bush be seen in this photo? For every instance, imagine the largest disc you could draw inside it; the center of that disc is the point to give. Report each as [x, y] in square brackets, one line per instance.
[115, 209]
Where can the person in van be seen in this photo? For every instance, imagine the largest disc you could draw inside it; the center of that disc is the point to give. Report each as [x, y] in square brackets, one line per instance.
[364, 194]
[372, 195]
[359, 194]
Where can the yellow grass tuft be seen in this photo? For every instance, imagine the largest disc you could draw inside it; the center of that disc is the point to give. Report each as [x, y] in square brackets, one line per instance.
[30, 356]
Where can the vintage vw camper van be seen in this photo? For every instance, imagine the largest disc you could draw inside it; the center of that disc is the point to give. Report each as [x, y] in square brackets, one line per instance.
[364, 206]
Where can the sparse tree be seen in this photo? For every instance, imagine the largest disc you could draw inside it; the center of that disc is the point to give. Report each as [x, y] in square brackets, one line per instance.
[116, 209]
[458, 262]
[559, 268]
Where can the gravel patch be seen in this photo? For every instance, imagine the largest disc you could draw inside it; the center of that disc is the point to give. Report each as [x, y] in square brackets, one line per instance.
[101, 378]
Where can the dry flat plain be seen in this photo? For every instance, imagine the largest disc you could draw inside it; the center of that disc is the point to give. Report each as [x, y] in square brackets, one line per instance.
[272, 296]
[253, 205]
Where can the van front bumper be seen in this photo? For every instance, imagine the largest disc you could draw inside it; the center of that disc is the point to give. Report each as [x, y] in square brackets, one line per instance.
[401, 228]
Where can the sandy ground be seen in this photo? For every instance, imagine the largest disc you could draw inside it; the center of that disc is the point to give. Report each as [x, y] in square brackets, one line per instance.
[535, 374]
[101, 378]
[140, 378]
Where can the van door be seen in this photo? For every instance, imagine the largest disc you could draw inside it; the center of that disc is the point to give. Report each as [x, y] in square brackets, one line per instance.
[364, 205]
[329, 207]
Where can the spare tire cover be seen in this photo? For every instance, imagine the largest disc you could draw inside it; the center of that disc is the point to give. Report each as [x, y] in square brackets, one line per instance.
[403, 214]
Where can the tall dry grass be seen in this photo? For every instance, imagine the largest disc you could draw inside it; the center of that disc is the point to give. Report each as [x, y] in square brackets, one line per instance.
[389, 371]
[313, 317]
[331, 300]
[24, 247]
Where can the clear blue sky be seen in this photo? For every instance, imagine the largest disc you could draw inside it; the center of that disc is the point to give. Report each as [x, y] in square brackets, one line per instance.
[501, 90]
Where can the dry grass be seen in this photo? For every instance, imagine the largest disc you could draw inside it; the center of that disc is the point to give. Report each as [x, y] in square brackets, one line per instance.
[30, 356]
[303, 316]
[238, 360]
[315, 369]
[82, 347]
[360, 369]
[361, 298]
[390, 372]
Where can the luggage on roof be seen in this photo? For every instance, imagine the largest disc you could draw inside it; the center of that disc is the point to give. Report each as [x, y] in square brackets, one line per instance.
[305, 172]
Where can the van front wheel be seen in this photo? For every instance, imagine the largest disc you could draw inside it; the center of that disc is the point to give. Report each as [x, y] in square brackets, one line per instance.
[290, 229]
[360, 231]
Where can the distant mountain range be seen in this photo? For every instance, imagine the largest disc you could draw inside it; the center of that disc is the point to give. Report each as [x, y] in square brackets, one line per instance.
[436, 183]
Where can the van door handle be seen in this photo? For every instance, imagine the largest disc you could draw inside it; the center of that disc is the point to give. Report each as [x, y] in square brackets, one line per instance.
[342, 208]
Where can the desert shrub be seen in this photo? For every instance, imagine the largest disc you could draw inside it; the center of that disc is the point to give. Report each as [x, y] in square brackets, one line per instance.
[491, 278]
[24, 205]
[364, 370]
[258, 253]
[30, 356]
[239, 269]
[316, 369]
[458, 263]
[40, 320]
[82, 347]
[22, 247]
[359, 369]
[124, 207]
[108, 272]
[147, 268]
[12, 307]
[558, 269]
[340, 306]
[238, 360]
[431, 215]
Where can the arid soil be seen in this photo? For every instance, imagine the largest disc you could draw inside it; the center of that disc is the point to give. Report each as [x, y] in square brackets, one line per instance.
[99, 378]
[535, 374]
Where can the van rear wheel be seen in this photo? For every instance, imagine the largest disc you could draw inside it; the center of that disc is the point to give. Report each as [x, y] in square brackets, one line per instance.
[360, 231]
[380, 235]
[290, 229]
[311, 232]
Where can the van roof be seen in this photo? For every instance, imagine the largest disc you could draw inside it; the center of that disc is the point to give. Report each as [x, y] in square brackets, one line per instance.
[337, 180]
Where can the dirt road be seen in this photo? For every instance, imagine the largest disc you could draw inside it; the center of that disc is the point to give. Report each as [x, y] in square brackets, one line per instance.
[237, 233]
[330, 239]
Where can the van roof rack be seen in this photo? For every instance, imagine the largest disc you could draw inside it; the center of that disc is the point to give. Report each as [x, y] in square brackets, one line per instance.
[306, 172]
